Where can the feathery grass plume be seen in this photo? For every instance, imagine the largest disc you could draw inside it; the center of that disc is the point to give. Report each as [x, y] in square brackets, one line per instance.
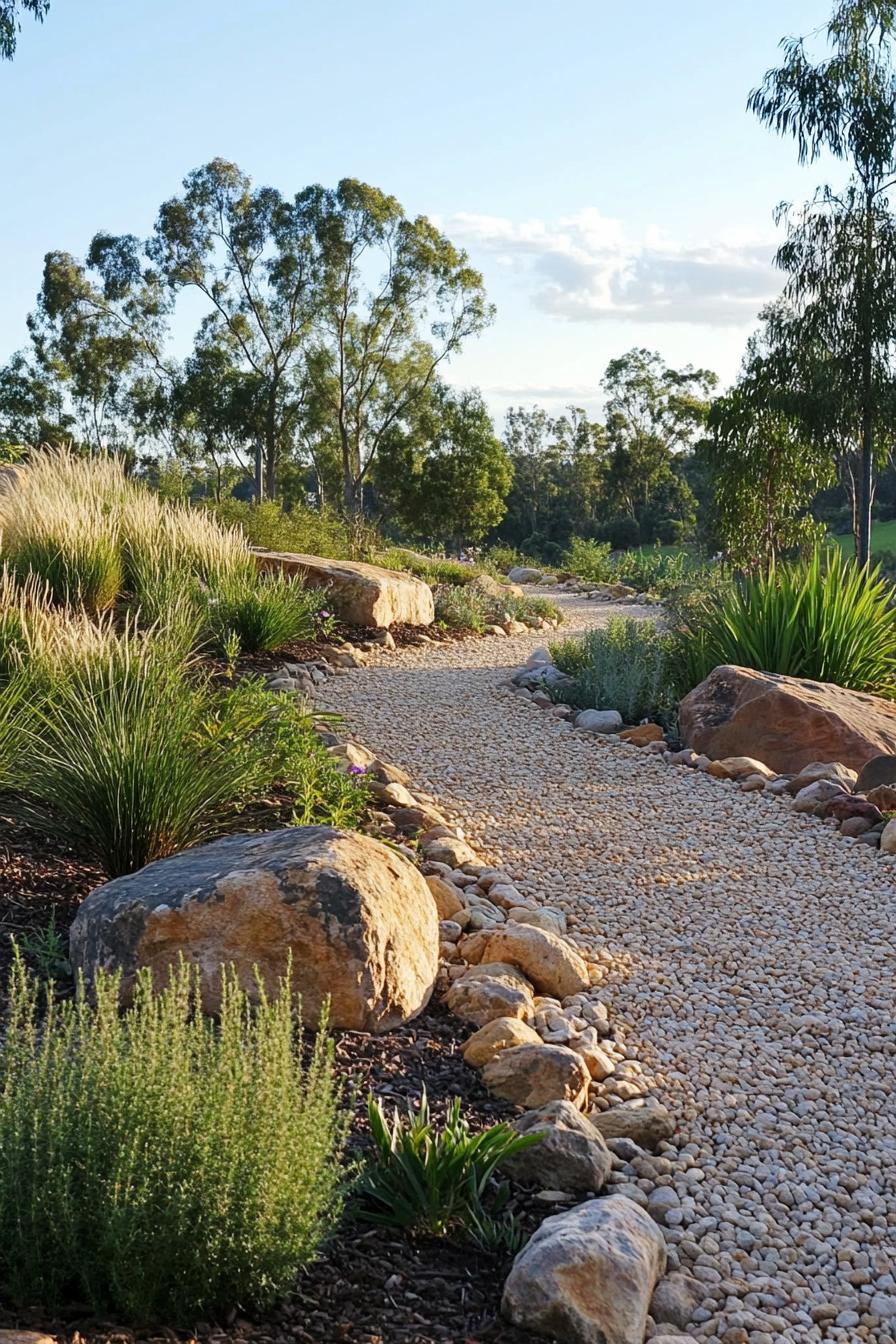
[61, 523]
[158, 1165]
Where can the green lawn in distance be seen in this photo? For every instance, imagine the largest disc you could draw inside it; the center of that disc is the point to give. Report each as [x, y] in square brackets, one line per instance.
[883, 538]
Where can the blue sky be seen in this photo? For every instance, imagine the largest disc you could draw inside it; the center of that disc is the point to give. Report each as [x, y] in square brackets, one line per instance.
[596, 159]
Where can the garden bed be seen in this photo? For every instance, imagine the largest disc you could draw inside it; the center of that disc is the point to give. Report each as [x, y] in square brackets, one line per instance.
[370, 1285]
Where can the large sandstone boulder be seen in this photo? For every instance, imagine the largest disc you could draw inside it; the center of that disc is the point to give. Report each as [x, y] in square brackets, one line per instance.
[587, 1275]
[360, 594]
[784, 721]
[357, 919]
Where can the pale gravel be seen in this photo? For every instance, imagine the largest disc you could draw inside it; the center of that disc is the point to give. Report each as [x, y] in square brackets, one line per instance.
[751, 968]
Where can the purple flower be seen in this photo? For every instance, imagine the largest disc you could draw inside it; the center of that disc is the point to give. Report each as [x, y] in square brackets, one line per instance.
[357, 769]
[325, 615]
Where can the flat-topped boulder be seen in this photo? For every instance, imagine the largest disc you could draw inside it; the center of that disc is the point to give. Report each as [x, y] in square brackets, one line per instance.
[786, 722]
[360, 594]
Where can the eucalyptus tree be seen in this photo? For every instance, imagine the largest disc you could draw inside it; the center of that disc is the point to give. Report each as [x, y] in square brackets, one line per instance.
[446, 477]
[99, 329]
[10, 22]
[840, 251]
[766, 460]
[654, 413]
[33, 410]
[395, 301]
[248, 252]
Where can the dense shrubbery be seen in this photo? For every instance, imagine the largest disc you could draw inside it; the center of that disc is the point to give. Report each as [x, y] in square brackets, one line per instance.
[465, 607]
[825, 619]
[306, 531]
[157, 1165]
[655, 570]
[625, 665]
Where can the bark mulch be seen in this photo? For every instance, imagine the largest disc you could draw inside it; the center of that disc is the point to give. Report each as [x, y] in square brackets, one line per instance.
[370, 1285]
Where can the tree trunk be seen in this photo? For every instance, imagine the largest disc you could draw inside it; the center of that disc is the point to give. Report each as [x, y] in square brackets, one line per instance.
[866, 473]
[259, 459]
[866, 486]
[352, 489]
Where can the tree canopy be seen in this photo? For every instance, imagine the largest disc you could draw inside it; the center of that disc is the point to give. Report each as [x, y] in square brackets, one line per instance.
[11, 23]
[839, 256]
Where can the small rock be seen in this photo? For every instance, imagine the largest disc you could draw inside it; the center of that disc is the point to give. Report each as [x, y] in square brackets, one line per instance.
[643, 734]
[486, 992]
[675, 1299]
[661, 1201]
[888, 837]
[532, 1075]
[446, 896]
[644, 1120]
[550, 962]
[599, 720]
[499, 1034]
[570, 1155]
[884, 797]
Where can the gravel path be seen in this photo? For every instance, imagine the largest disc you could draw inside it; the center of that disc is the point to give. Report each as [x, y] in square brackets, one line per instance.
[751, 961]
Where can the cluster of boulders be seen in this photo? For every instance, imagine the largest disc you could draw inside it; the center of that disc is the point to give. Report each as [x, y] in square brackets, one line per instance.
[595, 592]
[861, 806]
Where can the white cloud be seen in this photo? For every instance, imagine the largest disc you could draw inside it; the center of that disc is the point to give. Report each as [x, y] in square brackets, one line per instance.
[587, 268]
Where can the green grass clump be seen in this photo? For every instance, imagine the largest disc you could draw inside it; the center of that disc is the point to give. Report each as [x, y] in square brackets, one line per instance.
[133, 754]
[625, 665]
[262, 612]
[824, 619]
[438, 1180]
[154, 1164]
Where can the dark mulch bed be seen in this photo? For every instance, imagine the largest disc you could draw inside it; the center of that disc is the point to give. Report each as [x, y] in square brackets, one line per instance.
[371, 1285]
[303, 650]
[41, 880]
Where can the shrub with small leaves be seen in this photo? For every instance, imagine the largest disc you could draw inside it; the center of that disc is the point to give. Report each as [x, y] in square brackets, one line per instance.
[157, 1165]
[624, 665]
